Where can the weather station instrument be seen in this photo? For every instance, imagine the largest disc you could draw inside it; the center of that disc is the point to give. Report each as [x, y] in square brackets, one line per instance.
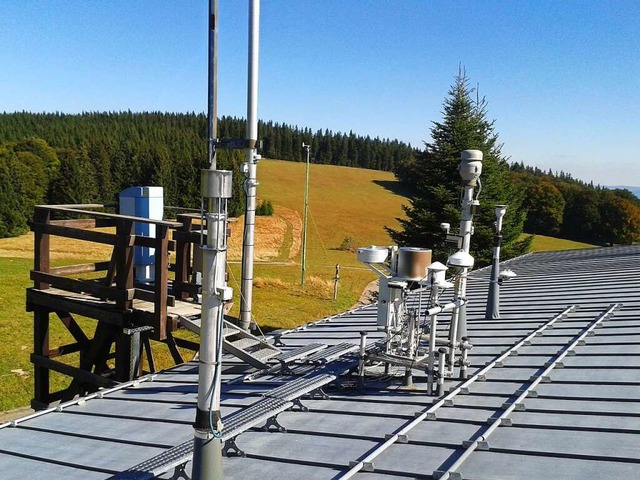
[413, 339]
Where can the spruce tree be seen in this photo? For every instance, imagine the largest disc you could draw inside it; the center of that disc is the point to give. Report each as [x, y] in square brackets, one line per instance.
[437, 183]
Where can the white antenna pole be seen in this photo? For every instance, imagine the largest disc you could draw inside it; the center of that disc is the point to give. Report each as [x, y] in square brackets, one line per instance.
[470, 169]
[216, 189]
[252, 160]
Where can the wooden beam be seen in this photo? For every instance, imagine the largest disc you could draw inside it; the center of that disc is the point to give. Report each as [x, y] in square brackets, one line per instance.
[41, 251]
[85, 223]
[192, 288]
[183, 256]
[149, 353]
[79, 234]
[150, 242]
[173, 348]
[71, 371]
[80, 211]
[188, 344]
[81, 268]
[73, 328]
[149, 296]
[40, 349]
[124, 261]
[83, 286]
[97, 311]
[161, 281]
[63, 350]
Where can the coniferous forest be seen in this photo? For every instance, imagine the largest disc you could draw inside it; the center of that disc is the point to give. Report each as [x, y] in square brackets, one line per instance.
[89, 158]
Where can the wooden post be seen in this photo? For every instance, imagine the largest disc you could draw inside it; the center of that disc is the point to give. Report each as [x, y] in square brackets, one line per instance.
[40, 348]
[183, 257]
[41, 259]
[161, 271]
[41, 263]
[124, 260]
[335, 283]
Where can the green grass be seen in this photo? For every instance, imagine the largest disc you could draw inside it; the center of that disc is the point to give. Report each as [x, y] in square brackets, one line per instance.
[343, 202]
[542, 243]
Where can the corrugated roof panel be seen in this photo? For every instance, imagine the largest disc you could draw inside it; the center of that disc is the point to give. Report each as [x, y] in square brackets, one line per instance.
[579, 422]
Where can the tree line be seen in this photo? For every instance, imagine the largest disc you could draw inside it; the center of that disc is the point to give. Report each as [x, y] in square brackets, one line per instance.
[560, 205]
[538, 202]
[89, 158]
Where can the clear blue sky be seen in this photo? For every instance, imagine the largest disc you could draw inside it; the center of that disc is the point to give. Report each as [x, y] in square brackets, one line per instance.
[562, 77]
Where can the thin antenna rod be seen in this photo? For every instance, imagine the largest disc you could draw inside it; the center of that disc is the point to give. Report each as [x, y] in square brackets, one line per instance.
[212, 105]
[251, 182]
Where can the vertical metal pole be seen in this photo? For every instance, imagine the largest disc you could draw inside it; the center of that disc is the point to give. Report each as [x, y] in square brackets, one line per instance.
[336, 279]
[207, 446]
[212, 104]
[493, 297]
[432, 340]
[251, 182]
[306, 217]
[207, 454]
[442, 353]
[363, 347]
[466, 223]
[470, 169]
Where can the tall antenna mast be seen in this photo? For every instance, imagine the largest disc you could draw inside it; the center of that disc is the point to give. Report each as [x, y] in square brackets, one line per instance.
[216, 188]
[251, 182]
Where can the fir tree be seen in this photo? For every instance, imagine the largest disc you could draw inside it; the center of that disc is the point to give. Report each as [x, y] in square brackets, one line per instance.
[464, 126]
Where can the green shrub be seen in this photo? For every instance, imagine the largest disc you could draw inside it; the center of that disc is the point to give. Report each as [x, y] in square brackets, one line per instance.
[265, 208]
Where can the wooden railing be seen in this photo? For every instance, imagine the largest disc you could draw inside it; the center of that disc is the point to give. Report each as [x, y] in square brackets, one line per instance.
[119, 283]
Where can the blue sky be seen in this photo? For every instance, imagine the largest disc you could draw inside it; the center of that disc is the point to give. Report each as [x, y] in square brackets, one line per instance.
[562, 77]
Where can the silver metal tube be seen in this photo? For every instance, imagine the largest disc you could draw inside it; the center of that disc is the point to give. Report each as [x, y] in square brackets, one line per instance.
[442, 355]
[207, 446]
[432, 354]
[459, 317]
[212, 104]
[207, 455]
[363, 347]
[493, 297]
[447, 307]
[246, 300]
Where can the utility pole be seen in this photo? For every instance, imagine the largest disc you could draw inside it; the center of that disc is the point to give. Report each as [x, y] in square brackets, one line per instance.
[251, 182]
[493, 298]
[305, 147]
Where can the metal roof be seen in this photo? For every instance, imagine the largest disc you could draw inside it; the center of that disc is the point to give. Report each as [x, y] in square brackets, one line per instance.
[554, 393]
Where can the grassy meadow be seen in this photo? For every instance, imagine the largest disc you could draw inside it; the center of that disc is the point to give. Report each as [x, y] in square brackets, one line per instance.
[542, 243]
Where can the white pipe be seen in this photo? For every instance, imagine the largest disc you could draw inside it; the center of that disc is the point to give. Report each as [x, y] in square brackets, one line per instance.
[246, 299]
